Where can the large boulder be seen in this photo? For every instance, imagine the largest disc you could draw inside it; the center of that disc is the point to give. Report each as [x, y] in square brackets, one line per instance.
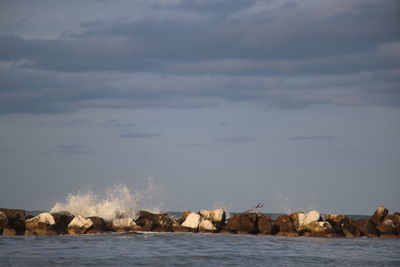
[379, 215]
[321, 229]
[303, 220]
[62, 219]
[243, 223]
[365, 227]
[98, 226]
[13, 221]
[192, 221]
[285, 224]
[43, 224]
[338, 221]
[207, 226]
[217, 216]
[79, 225]
[154, 222]
[266, 226]
[124, 225]
[387, 227]
[348, 230]
[14, 213]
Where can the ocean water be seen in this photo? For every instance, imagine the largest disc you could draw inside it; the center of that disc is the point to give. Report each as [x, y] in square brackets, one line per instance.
[195, 249]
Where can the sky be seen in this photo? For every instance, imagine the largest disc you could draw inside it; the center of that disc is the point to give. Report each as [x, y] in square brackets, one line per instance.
[295, 104]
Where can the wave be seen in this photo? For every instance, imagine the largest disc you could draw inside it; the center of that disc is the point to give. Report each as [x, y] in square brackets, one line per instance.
[118, 201]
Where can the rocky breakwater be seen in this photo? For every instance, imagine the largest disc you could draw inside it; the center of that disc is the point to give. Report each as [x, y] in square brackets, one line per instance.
[312, 224]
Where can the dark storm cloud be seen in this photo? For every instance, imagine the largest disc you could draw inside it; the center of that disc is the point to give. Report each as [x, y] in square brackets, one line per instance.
[195, 54]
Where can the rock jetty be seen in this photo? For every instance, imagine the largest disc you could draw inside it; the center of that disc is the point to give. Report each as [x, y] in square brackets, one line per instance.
[313, 224]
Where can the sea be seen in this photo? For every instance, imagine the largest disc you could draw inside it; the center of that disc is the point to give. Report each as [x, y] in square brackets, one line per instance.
[196, 249]
[182, 249]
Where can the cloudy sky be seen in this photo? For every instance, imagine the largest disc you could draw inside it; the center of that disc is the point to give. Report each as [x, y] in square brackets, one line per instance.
[295, 104]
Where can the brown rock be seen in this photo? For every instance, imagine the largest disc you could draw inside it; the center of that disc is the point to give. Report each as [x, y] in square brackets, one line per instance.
[349, 231]
[62, 219]
[3, 221]
[387, 227]
[98, 226]
[365, 227]
[9, 231]
[14, 213]
[379, 215]
[285, 224]
[43, 224]
[266, 226]
[154, 222]
[389, 236]
[243, 223]
[321, 229]
[291, 234]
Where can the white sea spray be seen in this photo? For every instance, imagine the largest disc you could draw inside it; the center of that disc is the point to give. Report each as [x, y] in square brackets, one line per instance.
[116, 202]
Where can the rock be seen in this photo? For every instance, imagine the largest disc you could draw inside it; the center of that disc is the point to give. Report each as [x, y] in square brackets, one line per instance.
[98, 226]
[243, 223]
[185, 213]
[79, 225]
[192, 221]
[207, 226]
[321, 229]
[62, 219]
[285, 224]
[154, 222]
[217, 216]
[336, 218]
[291, 234]
[348, 230]
[337, 221]
[14, 213]
[266, 226]
[43, 224]
[3, 221]
[379, 215]
[395, 218]
[17, 225]
[9, 231]
[387, 227]
[365, 227]
[302, 220]
[124, 225]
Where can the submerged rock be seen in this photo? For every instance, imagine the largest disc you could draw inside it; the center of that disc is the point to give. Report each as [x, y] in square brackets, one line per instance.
[43, 224]
[243, 223]
[79, 225]
[192, 221]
